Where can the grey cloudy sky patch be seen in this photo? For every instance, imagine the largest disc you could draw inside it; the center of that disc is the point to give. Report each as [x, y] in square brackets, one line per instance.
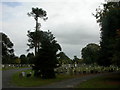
[71, 22]
[11, 4]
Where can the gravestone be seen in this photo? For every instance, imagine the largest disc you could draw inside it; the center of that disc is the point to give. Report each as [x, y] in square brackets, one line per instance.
[23, 74]
[3, 66]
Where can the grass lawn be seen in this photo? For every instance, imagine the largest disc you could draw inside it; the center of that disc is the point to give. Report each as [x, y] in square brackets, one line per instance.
[109, 81]
[34, 82]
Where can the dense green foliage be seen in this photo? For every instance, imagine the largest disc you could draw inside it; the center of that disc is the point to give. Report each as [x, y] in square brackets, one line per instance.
[46, 59]
[23, 59]
[90, 53]
[27, 59]
[109, 20]
[32, 37]
[7, 50]
[30, 57]
[64, 59]
[76, 60]
[45, 45]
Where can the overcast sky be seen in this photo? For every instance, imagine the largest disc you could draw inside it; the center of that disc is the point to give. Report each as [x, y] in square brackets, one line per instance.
[71, 22]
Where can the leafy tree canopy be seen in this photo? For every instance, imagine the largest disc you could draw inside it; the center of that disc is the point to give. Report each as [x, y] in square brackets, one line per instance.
[36, 12]
[64, 59]
[46, 59]
[7, 49]
[33, 36]
[30, 57]
[23, 59]
[76, 60]
[90, 53]
[109, 19]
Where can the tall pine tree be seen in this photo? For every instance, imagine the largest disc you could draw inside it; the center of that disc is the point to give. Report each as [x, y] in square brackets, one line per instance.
[109, 20]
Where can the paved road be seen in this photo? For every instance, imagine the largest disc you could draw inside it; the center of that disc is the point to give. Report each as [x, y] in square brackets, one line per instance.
[6, 77]
[70, 83]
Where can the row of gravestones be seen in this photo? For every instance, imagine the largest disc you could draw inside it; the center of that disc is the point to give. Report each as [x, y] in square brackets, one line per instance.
[70, 71]
[15, 65]
[75, 71]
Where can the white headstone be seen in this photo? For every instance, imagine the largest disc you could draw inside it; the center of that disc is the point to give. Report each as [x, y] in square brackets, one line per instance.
[3, 66]
[75, 65]
[30, 72]
[23, 74]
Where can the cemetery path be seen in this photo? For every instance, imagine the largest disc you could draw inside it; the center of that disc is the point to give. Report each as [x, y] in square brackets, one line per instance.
[7, 75]
[71, 83]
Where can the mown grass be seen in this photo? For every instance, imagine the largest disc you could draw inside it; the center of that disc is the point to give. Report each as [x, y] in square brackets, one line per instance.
[109, 81]
[36, 82]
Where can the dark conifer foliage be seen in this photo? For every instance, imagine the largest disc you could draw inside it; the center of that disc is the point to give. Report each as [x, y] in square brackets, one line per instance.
[64, 59]
[7, 50]
[37, 13]
[46, 59]
[109, 20]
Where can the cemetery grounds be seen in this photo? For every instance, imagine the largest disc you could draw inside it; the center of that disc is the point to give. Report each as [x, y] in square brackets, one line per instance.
[69, 71]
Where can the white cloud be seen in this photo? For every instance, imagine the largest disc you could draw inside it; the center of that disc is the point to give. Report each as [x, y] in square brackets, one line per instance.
[71, 22]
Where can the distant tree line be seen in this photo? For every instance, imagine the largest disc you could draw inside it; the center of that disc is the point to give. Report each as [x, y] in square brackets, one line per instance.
[8, 56]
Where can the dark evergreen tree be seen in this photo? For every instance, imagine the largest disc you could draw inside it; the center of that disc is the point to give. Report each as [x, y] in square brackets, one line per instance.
[64, 59]
[7, 50]
[37, 13]
[109, 20]
[46, 59]
[32, 39]
[116, 55]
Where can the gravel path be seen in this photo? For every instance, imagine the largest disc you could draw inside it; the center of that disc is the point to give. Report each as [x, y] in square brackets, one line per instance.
[70, 83]
[6, 77]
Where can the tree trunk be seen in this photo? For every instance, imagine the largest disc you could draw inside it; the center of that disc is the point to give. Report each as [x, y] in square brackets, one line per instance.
[36, 36]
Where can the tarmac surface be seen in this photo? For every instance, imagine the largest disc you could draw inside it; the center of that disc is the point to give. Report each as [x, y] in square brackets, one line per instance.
[7, 76]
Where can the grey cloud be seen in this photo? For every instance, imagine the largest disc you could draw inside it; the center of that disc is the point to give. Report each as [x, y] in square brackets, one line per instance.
[76, 34]
[72, 25]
